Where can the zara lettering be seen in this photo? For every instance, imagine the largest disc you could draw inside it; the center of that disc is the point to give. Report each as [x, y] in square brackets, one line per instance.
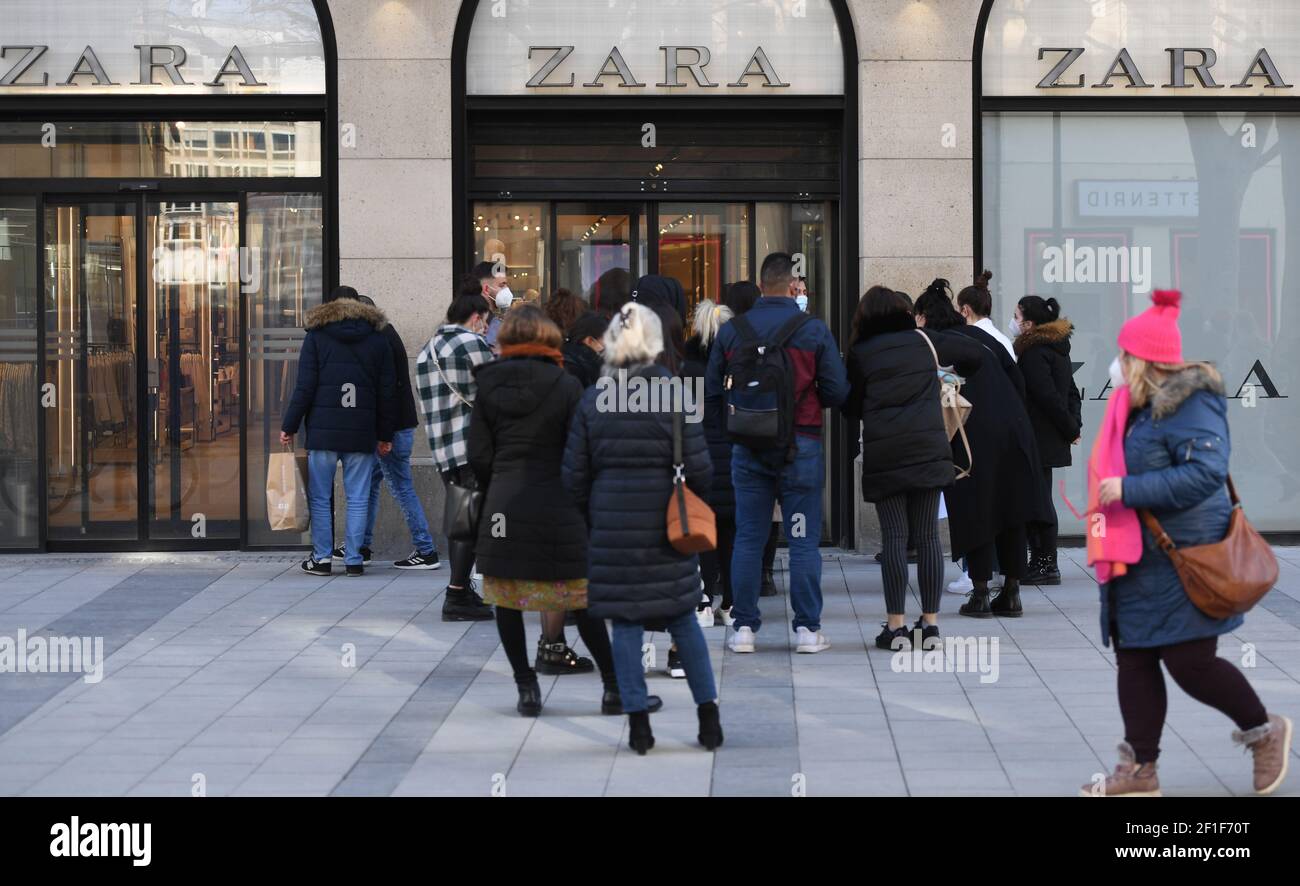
[1196, 61]
[167, 58]
[676, 59]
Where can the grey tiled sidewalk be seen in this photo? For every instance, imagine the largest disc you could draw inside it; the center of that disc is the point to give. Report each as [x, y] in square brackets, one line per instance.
[229, 671]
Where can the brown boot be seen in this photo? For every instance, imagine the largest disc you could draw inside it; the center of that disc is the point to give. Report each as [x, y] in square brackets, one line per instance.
[1128, 780]
[1271, 746]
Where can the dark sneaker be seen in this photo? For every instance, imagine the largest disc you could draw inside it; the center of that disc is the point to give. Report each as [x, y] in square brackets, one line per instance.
[340, 553]
[675, 669]
[911, 556]
[977, 606]
[894, 640]
[769, 585]
[312, 566]
[354, 571]
[611, 703]
[419, 561]
[462, 604]
[930, 638]
[559, 658]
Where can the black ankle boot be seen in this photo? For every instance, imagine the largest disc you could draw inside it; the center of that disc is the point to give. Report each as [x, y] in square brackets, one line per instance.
[1044, 571]
[710, 726]
[640, 738]
[530, 696]
[559, 658]
[978, 604]
[611, 702]
[1007, 603]
[462, 604]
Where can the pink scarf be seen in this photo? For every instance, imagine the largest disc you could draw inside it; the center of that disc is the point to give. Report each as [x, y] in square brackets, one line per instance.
[1114, 532]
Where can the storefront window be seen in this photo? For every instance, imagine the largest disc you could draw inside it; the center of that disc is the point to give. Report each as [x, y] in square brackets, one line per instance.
[19, 477]
[178, 149]
[517, 233]
[705, 247]
[1203, 202]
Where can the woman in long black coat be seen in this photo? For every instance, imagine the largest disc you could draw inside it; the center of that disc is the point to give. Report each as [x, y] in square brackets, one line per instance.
[618, 466]
[1055, 411]
[906, 456]
[988, 510]
[532, 539]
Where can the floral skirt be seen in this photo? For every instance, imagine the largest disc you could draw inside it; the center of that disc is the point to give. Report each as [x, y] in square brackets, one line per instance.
[531, 595]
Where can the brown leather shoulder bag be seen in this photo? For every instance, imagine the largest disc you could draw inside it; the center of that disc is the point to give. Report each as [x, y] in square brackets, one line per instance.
[692, 527]
[1225, 578]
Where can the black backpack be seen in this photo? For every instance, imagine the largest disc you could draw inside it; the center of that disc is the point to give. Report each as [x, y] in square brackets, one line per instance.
[759, 387]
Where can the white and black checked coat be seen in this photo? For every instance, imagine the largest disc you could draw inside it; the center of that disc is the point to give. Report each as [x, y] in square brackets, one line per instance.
[446, 418]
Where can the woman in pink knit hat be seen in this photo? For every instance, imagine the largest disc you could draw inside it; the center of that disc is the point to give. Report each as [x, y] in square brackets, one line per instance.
[1164, 447]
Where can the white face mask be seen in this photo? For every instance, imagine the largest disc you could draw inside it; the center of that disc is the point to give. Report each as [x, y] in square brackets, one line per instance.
[504, 297]
[1013, 328]
[1117, 379]
[802, 302]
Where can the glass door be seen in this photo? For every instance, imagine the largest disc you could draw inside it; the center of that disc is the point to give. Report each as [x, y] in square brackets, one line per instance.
[141, 377]
[599, 250]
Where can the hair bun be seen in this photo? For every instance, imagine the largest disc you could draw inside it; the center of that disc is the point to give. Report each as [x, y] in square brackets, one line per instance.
[1167, 298]
[1053, 307]
[983, 280]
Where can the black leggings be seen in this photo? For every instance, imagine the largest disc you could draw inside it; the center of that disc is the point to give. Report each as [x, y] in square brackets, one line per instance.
[911, 515]
[715, 565]
[1042, 536]
[1009, 548]
[1198, 671]
[510, 627]
[460, 553]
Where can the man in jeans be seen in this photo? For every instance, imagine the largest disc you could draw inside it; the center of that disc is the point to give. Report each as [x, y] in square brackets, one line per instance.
[344, 392]
[445, 374]
[395, 467]
[793, 478]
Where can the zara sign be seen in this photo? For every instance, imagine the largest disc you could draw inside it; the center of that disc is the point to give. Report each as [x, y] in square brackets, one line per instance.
[24, 67]
[676, 59]
[1197, 62]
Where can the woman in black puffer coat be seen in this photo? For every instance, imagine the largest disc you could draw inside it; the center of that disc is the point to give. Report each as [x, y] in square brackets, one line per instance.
[715, 565]
[1055, 410]
[618, 467]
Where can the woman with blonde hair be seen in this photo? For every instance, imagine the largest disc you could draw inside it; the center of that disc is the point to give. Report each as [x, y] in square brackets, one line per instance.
[619, 468]
[1163, 447]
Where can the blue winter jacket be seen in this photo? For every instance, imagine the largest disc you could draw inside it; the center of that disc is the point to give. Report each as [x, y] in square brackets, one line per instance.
[1176, 451]
[347, 381]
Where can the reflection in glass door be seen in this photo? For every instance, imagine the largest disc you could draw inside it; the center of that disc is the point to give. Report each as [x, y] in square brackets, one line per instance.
[598, 250]
[705, 246]
[91, 409]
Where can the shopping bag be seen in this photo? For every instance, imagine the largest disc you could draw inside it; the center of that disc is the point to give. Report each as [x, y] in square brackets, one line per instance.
[286, 493]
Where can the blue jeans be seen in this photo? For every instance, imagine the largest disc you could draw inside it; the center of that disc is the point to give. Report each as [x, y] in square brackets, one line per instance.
[760, 479]
[395, 467]
[694, 653]
[357, 467]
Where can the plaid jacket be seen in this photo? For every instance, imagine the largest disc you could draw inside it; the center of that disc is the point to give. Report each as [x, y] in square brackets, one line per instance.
[446, 418]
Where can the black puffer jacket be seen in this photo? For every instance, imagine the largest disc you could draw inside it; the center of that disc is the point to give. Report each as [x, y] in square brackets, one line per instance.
[345, 346]
[582, 363]
[722, 496]
[407, 417]
[530, 527]
[1055, 407]
[618, 468]
[894, 393]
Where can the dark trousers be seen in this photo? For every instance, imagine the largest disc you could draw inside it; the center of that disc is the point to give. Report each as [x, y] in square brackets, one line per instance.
[510, 627]
[911, 515]
[1009, 549]
[1198, 671]
[715, 566]
[1042, 536]
[460, 553]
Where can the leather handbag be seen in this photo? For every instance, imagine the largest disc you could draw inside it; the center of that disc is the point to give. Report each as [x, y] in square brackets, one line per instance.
[956, 409]
[461, 511]
[692, 527]
[1225, 578]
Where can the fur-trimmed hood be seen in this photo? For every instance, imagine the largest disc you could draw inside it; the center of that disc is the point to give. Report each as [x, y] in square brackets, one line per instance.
[1180, 385]
[344, 309]
[1055, 335]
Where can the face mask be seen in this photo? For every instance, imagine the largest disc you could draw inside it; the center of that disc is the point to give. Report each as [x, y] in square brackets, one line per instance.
[1117, 379]
[802, 302]
[1013, 328]
[504, 297]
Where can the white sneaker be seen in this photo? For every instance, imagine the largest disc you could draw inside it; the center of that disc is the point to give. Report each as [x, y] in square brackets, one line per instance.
[742, 640]
[724, 617]
[705, 616]
[812, 641]
[962, 585]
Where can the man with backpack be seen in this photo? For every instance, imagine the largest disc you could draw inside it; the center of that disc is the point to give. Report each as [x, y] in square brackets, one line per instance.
[777, 369]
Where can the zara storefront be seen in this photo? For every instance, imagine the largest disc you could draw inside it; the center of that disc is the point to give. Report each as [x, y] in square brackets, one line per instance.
[180, 180]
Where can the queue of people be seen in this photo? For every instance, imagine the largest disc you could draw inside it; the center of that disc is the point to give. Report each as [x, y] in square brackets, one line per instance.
[952, 417]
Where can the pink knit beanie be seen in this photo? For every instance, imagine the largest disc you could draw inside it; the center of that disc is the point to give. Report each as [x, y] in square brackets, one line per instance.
[1153, 335]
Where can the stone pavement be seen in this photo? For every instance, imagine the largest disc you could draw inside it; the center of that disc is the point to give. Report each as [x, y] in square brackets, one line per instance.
[233, 672]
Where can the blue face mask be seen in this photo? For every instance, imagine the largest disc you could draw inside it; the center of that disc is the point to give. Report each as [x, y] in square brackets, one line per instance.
[802, 302]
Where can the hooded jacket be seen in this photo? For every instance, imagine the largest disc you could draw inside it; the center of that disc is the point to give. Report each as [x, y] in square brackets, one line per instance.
[1051, 398]
[655, 288]
[530, 527]
[1176, 452]
[346, 380]
[722, 497]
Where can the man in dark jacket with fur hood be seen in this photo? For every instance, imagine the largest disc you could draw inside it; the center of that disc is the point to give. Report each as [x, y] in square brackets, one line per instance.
[345, 393]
